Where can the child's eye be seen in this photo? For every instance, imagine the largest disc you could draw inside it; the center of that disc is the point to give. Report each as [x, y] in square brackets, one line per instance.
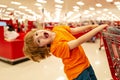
[38, 41]
[36, 34]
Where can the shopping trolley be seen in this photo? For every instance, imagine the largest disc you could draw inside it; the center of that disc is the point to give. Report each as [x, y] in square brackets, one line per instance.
[111, 42]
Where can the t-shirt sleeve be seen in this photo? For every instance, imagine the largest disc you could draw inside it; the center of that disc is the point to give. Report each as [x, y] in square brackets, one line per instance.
[61, 50]
[67, 28]
[62, 27]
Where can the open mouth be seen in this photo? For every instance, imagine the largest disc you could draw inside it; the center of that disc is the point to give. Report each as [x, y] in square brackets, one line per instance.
[46, 34]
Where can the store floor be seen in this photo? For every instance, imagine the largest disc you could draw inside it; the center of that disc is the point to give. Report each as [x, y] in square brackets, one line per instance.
[52, 68]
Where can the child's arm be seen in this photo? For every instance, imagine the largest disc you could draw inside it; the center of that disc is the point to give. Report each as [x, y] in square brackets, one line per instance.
[75, 43]
[77, 30]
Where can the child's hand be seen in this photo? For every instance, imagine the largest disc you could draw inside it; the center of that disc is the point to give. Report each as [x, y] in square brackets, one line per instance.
[105, 25]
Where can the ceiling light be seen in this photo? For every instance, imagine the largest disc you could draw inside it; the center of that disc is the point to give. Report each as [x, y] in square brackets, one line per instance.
[91, 8]
[109, 12]
[69, 14]
[86, 12]
[58, 9]
[17, 11]
[2, 10]
[37, 4]
[3, 6]
[58, 6]
[80, 3]
[16, 3]
[109, 0]
[40, 8]
[10, 9]
[76, 10]
[105, 9]
[76, 7]
[59, 1]
[42, 1]
[99, 5]
[29, 10]
[7, 12]
[23, 7]
[117, 3]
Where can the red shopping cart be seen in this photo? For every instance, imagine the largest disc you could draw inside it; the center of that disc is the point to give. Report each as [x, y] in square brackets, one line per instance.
[112, 47]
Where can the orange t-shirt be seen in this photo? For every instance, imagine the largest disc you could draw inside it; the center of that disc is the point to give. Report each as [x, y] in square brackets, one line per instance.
[75, 60]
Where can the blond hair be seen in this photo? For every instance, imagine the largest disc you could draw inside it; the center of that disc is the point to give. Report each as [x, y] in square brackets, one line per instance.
[32, 50]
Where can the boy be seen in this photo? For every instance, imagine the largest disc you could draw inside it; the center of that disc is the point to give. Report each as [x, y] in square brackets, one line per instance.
[38, 44]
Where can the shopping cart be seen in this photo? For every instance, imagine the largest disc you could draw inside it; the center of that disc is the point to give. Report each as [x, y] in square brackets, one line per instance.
[111, 42]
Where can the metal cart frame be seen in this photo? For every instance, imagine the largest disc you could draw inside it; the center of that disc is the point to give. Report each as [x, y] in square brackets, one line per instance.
[112, 47]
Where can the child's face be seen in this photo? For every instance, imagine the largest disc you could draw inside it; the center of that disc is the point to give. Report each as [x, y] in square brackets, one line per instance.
[42, 37]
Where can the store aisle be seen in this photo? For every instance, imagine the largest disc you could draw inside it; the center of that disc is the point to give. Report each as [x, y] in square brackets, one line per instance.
[52, 68]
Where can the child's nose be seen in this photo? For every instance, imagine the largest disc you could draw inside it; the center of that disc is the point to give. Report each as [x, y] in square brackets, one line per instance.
[40, 36]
